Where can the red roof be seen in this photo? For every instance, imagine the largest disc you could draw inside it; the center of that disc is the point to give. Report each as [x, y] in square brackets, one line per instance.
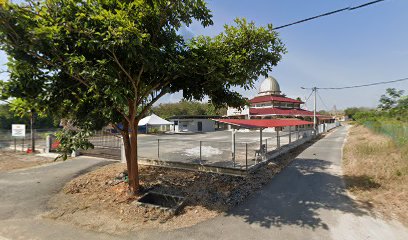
[271, 98]
[280, 111]
[264, 123]
[321, 117]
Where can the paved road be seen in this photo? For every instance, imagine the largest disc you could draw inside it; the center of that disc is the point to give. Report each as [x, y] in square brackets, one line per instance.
[185, 147]
[305, 201]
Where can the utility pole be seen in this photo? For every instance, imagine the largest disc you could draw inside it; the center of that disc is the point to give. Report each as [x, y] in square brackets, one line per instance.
[314, 110]
[314, 90]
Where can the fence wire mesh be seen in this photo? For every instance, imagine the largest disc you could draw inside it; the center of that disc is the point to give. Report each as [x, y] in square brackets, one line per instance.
[217, 150]
[8, 142]
[397, 131]
[243, 154]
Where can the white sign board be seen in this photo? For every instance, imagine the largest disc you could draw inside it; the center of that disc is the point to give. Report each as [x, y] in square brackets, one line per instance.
[18, 130]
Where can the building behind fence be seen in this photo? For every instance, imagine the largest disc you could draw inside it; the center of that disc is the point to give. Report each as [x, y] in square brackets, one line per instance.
[238, 154]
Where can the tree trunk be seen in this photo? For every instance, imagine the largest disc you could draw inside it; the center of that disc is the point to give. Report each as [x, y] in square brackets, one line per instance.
[134, 168]
[126, 143]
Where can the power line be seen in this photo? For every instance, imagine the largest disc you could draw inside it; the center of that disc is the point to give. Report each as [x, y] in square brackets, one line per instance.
[320, 97]
[329, 13]
[307, 99]
[309, 96]
[365, 85]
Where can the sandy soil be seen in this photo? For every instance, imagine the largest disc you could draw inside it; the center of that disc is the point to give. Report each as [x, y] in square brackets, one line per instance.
[376, 173]
[95, 201]
[10, 160]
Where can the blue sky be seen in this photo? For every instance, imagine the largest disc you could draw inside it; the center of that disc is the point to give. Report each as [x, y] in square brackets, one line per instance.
[349, 48]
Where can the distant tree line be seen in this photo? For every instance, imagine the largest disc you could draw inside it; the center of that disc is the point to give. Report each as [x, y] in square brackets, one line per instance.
[166, 110]
[390, 118]
[393, 105]
[8, 117]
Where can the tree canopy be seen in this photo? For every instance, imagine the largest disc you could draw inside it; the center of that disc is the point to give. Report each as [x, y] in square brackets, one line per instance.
[109, 61]
[166, 110]
[393, 107]
[391, 99]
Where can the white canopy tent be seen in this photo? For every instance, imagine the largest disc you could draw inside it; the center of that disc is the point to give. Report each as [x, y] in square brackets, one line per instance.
[153, 120]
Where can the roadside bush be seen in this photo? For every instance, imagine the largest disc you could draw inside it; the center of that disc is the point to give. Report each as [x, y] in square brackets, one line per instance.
[398, 131]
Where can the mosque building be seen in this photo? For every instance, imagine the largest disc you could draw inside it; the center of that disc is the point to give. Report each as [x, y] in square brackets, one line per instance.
[270, 103]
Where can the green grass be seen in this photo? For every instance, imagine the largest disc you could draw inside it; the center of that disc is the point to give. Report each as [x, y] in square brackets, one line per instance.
[398, 131]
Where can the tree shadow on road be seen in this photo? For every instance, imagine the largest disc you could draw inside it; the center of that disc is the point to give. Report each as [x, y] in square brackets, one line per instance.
[296, 195]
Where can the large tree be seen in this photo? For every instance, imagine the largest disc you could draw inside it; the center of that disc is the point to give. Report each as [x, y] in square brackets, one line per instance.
[166, 110]
[26, 84]
[390, 99]
[109, 61]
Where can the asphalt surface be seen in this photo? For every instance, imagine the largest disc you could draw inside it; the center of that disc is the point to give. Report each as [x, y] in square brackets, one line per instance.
[185, 147]
[307, 200]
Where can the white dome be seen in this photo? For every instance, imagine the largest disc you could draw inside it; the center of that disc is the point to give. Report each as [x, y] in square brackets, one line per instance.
[269, 86]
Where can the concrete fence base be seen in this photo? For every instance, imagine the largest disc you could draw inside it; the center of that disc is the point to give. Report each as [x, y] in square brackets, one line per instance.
[272, 156]
[269, 157]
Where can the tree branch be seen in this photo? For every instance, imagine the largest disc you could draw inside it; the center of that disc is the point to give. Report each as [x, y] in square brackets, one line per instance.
[49, 63]
[147, 106]
[160, 84]
[124, 70]
[139, 75]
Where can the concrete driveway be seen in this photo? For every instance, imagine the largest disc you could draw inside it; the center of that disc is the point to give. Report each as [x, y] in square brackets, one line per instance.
[305, 201]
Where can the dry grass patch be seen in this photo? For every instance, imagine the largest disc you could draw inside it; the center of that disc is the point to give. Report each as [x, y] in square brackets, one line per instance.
[95, 202]
[376, 172]
[10, 160]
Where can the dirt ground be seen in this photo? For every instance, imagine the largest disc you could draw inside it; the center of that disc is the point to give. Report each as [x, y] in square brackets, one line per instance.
[10, 160]
[376, 173]
[96, 201]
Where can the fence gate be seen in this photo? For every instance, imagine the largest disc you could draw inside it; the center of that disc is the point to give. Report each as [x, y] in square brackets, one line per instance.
[106, 145]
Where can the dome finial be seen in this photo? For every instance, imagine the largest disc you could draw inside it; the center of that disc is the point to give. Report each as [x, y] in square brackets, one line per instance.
[269, 86]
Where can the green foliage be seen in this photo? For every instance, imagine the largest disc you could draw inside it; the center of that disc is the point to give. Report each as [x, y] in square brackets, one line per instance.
[391, 117]
[350, 112]
[183, 107]
[103, 54]
[396, 130]
[109, 61]
[390, 99]
[393, 108]
[8, 117]
[71, 140]
[324, 112]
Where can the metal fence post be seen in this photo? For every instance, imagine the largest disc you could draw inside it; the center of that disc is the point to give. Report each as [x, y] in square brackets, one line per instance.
[266, 146]
[22, 146]
[290, 134]
[277, 140]
[122, 151]
[48, 143]
[158, 149]
[234, 150]
[246, 156]
[201, 143]
[233, 146]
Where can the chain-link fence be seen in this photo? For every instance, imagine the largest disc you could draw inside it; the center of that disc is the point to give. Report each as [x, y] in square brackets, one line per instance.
[226, 154]
[8, 142]
[241, 153]
[397, 131]
[106, 144]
